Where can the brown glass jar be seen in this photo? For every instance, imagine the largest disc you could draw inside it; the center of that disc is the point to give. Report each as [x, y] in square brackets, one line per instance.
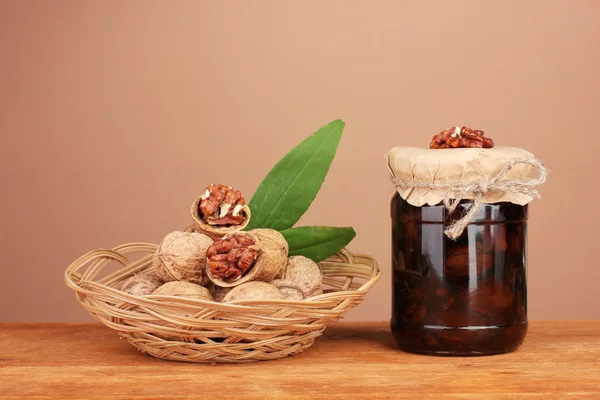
[459, 297]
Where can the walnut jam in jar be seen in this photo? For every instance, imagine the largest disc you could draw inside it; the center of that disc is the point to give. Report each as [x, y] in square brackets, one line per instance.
[464, 296]
[459, 226]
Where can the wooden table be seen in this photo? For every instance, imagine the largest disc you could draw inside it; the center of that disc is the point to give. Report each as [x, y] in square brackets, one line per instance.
[352, 360]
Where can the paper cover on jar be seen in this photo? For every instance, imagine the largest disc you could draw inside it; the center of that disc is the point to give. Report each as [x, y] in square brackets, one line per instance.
[444, 166]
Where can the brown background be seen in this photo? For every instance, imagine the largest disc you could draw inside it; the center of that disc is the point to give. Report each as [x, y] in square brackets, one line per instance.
[114, 115]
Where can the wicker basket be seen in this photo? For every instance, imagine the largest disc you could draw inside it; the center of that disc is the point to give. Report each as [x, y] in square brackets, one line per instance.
[176, 328]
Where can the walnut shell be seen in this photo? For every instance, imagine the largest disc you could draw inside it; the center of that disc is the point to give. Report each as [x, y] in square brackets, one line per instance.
[182, 256]
[184, 289]
[272, 236]
[254, 290]
[141, 284]
[289, 289]
[217, 232]
[269, 264]
[306, 274]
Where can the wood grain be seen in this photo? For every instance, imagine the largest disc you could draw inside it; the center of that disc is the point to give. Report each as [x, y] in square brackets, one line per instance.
[352, 360]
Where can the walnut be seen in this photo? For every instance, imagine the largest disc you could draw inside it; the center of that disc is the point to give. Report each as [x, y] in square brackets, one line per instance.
[306, 274]
[182, 256]
[221, 205]
[272, 237]
[257, 255]
[230, 257]
[253, 291]
[141, 284]
[289, 289]
[184, 289]
[220, 210]
[458, 137]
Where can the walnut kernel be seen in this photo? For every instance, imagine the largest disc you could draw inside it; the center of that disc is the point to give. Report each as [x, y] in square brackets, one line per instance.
[220, 210]
[257, 255]
[458, 137]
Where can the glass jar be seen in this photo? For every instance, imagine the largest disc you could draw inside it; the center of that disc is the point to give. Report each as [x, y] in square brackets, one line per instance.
[459, 297]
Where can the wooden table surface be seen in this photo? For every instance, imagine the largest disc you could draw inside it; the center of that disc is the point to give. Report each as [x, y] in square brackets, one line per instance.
[352, 360]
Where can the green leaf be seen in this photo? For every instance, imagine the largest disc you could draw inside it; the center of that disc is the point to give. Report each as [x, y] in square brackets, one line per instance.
[317, 242]
[290, 187]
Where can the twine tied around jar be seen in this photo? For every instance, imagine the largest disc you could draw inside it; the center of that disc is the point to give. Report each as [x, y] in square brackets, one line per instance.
[478, 189]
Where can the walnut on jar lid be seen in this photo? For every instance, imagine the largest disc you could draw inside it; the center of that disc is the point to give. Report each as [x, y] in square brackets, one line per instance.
[220, 210]
[461, 137]
[256, 255]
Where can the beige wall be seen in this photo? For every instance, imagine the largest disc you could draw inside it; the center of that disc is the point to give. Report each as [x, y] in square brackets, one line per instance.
[114, 115]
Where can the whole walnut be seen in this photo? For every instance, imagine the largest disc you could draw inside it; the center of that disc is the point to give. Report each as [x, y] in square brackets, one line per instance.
[289, 289]
[254, 290]
[306, 274]
[141, 285]
[184, 289]
[273, 237]
[182, 256]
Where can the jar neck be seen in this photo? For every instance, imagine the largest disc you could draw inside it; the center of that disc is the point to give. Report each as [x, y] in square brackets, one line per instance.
[488, 213]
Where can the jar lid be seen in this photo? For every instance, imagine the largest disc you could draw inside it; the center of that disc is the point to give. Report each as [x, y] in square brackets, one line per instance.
[428, 176]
